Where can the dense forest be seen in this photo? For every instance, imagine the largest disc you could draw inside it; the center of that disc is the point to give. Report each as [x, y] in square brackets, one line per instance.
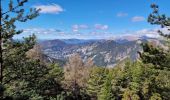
[25, 75]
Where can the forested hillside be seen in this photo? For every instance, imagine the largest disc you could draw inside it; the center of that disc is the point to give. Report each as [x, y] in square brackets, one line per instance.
[27, 74]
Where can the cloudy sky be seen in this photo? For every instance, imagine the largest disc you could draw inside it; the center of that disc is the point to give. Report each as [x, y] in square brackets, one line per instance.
[90, 19]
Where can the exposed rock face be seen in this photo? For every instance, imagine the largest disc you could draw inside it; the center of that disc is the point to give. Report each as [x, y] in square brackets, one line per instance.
[103, 52]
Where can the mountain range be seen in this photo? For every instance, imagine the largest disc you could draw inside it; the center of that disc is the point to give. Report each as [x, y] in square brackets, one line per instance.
[105, 53]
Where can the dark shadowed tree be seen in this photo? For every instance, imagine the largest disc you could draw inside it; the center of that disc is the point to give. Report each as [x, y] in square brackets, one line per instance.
[159, 57]
[18, 72]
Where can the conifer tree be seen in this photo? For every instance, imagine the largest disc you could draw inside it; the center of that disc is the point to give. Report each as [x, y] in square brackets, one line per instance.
[18, 73]
[95, 82]
[106, 92]
[159, 57]
[159, 19]
[13, 52]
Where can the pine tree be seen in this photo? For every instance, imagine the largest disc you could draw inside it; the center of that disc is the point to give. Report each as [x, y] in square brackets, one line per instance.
[18, 73]
[95, 82]
[159, 57]
[106, 92]
[159, 19]
[13, 52]
[51, 84]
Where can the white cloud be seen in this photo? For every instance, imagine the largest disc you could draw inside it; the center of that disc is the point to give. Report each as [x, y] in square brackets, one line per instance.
[83, 26]
[52, 8]
[135, 35]
[76, 27]
[122, 14]
[52, 33]
[146, 31]
[41, 31]
[101, 27]
[138, 19]
[75, 30]
[151, 33]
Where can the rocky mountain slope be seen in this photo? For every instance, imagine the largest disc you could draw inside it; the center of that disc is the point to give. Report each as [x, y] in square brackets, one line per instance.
[103, 52]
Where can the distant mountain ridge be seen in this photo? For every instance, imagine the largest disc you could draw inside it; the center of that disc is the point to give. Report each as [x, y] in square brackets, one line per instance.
[103, 52]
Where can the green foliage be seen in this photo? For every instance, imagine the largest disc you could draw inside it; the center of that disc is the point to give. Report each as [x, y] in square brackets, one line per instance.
[55, 72]
[50, 85]
[156, 56]
[106, 90]
[156, 96]
[159, 19]
[95, 81]
[159, 57]
[19, 74]
[14, 63]
[130, 95]
[134, 80]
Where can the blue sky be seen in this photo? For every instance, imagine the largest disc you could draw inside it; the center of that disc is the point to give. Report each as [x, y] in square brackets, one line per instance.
[88, 19]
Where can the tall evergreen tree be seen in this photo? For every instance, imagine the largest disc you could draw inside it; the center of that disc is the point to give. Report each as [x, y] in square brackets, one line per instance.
[95, 82]
[159, 57]
[159, 19]
[18, 73]
[106, 92]
[13, 52]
